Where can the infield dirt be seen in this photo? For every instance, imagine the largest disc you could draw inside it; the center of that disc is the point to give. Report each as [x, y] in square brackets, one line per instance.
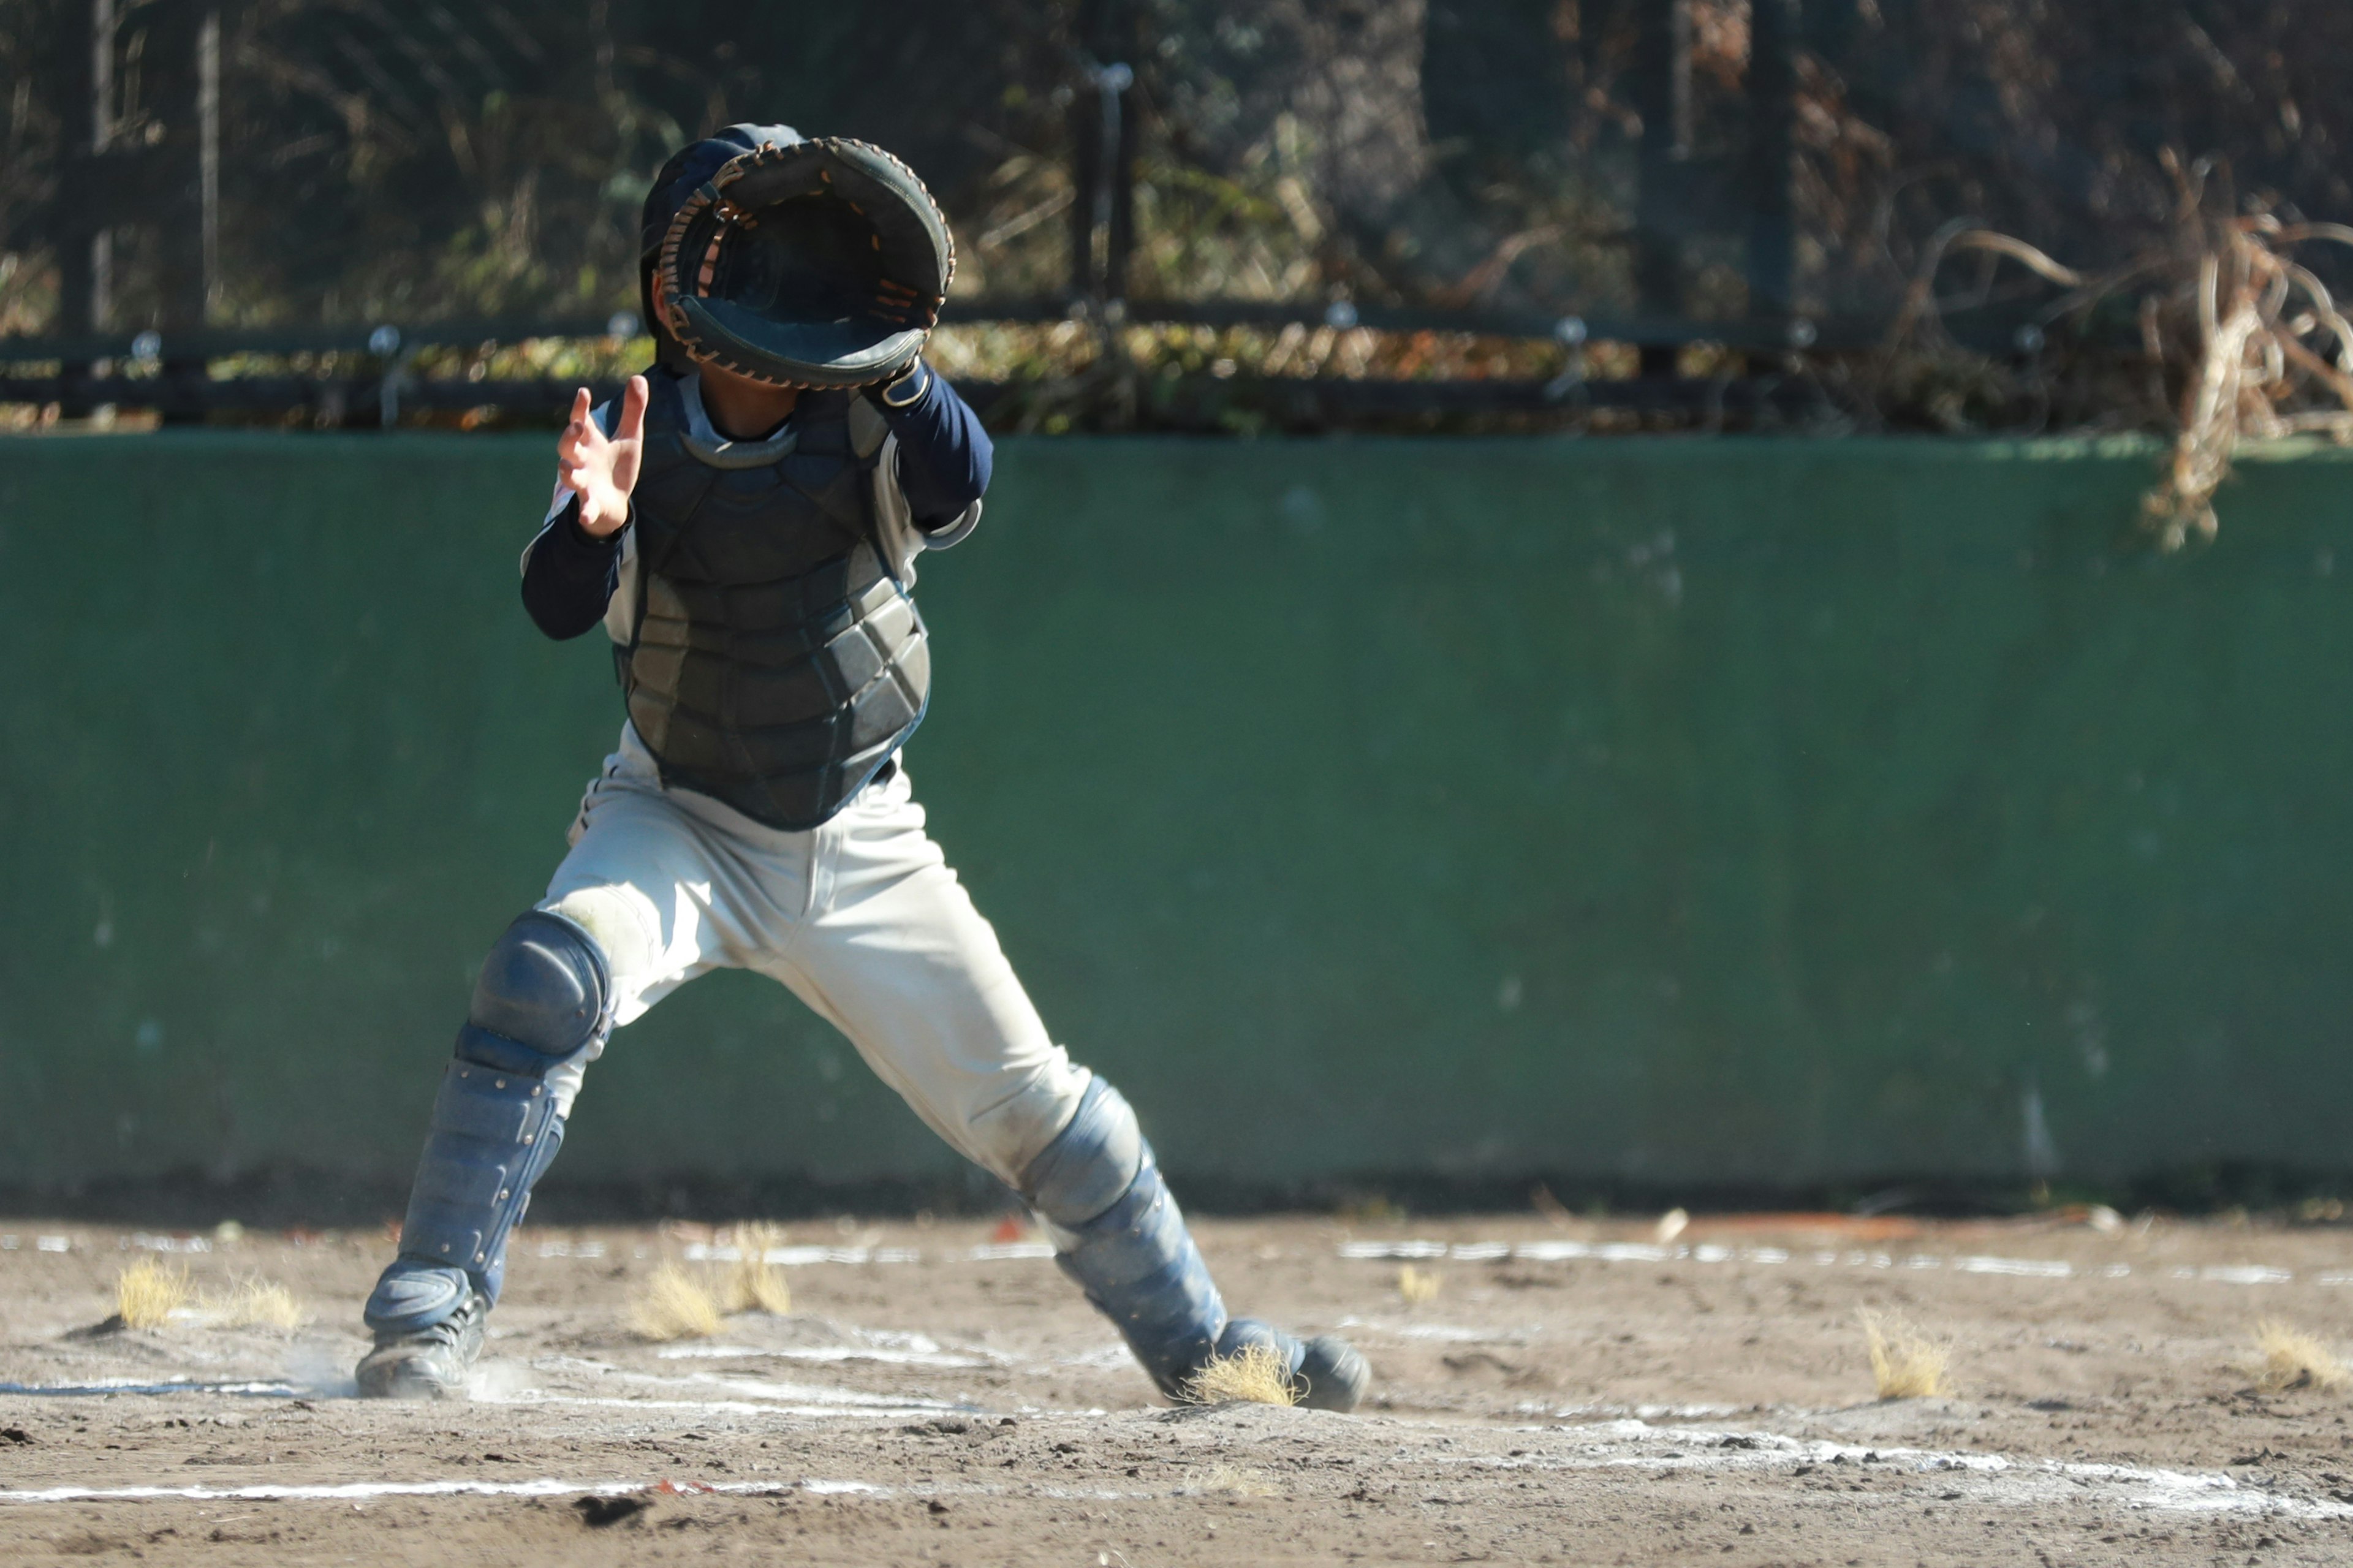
[1573, 1391]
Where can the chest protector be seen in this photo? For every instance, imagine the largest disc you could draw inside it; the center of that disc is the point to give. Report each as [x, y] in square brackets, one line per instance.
[776, 663]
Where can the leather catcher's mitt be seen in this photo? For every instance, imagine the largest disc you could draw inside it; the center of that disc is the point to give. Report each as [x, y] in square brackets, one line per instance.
[819, 264]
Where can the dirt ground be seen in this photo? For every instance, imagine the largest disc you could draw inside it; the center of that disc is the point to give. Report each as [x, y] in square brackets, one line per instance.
[1572, 1391]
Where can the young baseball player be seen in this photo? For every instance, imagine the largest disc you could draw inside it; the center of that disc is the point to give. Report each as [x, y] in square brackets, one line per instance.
[745, 527]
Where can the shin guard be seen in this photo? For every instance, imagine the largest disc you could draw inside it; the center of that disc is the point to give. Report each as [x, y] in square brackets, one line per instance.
[544, 998]
[1120, 1235]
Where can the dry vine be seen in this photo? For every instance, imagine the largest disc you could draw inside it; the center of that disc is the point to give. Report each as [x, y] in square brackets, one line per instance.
[2248, 344]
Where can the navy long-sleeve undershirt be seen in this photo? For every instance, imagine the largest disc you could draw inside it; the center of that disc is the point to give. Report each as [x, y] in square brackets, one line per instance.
[944, 455]
[569, 577]
[945, 462]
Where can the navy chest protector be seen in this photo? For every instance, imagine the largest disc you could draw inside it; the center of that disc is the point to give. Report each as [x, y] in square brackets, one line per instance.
[776, 663]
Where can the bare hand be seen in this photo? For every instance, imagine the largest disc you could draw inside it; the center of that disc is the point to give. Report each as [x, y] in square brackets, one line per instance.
[602, 469]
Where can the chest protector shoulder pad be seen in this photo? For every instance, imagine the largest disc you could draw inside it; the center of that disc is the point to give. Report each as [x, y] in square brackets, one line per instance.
[777, 663]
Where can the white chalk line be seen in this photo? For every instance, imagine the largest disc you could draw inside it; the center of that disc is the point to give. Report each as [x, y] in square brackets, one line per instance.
[1980, 1478]
[1647, 1252]
[533, 1399]
[363, 1492]
[802, 1256]
[887, 1346]
[1646, 1413]
[1994, 1477]
[831, 1353]
[1459, 1252]
[1442, 1333]
[506, 1383]
[100, 1387]
[41, 1243]
[722, 1392]
[818, 1394]
[766, 1404]
[749, 1396]
[694, 1252]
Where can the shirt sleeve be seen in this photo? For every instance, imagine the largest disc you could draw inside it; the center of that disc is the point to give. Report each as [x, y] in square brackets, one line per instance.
[944, 458]
[569, 577]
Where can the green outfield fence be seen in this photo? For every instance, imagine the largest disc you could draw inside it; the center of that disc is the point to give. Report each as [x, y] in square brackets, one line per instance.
[1723, 815]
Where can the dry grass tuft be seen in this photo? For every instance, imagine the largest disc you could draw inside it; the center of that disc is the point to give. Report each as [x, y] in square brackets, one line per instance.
[255, 1303]
[1904, 1363]
[675, 1306]
[1418, 1285]
[1239, 1480]
[757, 1285]
[147, 1293]
[2239, 339]
[2293, 1359]
[1254, 1375]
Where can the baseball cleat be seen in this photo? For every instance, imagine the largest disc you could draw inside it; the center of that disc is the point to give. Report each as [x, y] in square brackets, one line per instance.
[430, 1362]
[1326, 1372]
[1332, 1374]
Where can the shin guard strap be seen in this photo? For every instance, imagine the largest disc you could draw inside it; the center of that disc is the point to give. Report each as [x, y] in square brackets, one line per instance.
[413, 1294]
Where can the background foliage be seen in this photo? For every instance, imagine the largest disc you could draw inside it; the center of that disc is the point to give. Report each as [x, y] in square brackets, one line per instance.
[404, 162]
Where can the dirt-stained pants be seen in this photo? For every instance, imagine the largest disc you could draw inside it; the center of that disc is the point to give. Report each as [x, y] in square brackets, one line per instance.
[860, 918]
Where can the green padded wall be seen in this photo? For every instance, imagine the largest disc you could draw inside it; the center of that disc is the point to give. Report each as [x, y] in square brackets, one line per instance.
[1723, 812]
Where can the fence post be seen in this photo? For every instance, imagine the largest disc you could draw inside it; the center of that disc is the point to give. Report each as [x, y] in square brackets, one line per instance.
[1102, 164]
[186, 176]
[1773, 33]
[1663, 97]
[172, 186]
[86, 75]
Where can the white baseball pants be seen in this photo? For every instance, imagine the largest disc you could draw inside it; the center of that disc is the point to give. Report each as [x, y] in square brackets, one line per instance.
[860, 918]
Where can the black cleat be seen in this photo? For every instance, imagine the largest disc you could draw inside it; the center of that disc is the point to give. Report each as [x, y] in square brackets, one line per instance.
[1332, 1376]
[430, 1362]
[1327, 1372]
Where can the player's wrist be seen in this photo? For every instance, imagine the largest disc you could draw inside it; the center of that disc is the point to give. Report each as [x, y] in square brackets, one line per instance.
[601, 520]
[909, 388]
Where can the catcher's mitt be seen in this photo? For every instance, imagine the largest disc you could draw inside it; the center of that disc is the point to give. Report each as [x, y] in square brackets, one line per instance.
[818, 264]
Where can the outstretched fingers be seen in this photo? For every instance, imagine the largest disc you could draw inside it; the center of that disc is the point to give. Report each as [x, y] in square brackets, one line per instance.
[581, 436]
[633, 409]
[600, 469]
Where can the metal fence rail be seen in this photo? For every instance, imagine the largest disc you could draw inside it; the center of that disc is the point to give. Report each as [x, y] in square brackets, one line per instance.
[176, 376]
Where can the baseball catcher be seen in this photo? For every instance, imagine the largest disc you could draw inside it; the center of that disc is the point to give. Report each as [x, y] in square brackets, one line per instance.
[746, 527]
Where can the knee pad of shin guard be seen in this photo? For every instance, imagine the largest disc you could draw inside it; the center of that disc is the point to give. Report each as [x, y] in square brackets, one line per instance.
[546, 993]
[1091, 1163]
